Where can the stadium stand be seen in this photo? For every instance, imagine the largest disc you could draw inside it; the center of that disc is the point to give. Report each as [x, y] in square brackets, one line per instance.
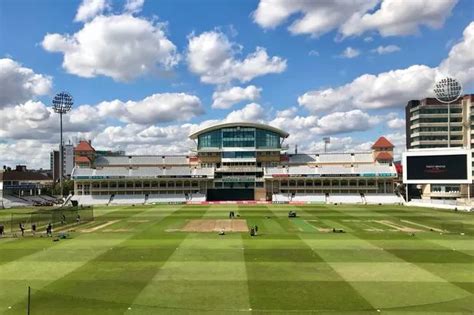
[10, 201]
[310, 198]
[236, 161]
[88, 200]
[167, 198]
[335, 158]
[127, 200]
[364, 157]
[281, 198]
[345, 198]
[301, 158]
[382, 199]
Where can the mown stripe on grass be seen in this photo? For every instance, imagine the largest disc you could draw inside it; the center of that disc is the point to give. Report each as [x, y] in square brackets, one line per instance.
[300, 294]
[63, 276]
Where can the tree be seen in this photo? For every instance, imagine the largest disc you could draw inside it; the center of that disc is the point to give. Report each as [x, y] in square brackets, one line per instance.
[68, 187]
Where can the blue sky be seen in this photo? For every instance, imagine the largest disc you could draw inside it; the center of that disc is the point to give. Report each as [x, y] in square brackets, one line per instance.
[275, 61]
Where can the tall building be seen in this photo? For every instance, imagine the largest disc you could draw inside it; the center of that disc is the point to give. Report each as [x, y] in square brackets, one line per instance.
[54, 164]
[427, 123]
[68, 161]
[427, 128]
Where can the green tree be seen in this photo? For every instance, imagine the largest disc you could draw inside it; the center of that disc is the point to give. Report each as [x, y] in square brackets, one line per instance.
[68, 187]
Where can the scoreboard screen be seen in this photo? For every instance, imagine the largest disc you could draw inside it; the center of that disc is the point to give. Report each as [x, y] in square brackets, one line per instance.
[437, 168]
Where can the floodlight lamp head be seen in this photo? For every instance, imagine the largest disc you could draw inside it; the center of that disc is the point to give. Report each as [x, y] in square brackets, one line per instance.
[447, 90]
[62, 102]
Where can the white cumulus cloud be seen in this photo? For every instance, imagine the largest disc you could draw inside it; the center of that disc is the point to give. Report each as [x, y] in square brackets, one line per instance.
[350, 53]
[383, 50]
[19, 84]
[395, 17]
[164, 107]
[395, 87]
[226, 98]
[90, 8]
[353, 17]
[122, 47]
[213, 57]
[134, 6]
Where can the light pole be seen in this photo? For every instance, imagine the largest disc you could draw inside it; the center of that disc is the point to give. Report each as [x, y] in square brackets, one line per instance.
[62, 103]
[326, 140]
[448, 90]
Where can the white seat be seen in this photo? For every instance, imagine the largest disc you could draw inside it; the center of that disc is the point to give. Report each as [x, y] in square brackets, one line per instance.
[383, 199]
[345, 198]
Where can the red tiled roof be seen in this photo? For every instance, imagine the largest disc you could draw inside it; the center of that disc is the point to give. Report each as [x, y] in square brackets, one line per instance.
[82, 159]
[382, 142]
[384, 156]
[399, 168]
[84, 146]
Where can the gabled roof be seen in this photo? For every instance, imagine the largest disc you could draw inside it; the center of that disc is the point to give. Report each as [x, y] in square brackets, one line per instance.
[82, 159]
[384, 156]
[84, 146]
[382, 142]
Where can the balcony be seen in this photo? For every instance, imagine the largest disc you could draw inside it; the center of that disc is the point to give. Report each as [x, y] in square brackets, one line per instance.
[239, 169]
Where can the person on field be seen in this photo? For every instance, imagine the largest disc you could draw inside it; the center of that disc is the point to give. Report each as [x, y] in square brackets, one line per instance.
[63, 219]
[22, 229]
[252, 232]
[256, 229]
[2, 230]
[49, 230]
[33, 228]
[78, 219]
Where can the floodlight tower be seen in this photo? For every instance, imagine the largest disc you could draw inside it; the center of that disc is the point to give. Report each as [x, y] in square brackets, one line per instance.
[326, 140]
[62, 103]
[447, 91]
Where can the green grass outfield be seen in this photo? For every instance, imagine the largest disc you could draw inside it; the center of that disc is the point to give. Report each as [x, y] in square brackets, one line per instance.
[140, 264]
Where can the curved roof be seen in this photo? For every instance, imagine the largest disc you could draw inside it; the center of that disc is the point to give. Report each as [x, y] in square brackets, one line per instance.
[280, 132]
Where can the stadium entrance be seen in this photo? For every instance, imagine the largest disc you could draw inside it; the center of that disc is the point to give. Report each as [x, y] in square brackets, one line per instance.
[230, 194]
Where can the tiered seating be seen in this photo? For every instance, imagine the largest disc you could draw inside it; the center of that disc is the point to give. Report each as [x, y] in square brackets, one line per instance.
[335, 158]
[375, 168]
[48, 198]
[197, 197]
[345, 198]
[205, 171]
[145, 160]
[275, 170]
[301, 158]
[175, 160]
[281, 198]
[143, 171]
[297, 170]
[334, 169]
[302, 197]
[12, 201]
[382, 199]
[364, 157]
[92, 200]
[127, 199]
[33, 199]
[166, 198]
[111, 160]
[178, 171]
